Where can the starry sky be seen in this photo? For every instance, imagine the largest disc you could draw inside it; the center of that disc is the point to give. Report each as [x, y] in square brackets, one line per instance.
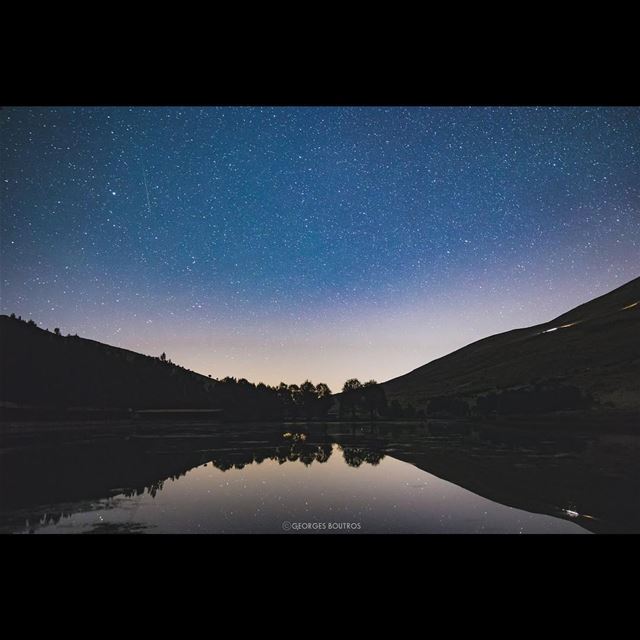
[317, 242]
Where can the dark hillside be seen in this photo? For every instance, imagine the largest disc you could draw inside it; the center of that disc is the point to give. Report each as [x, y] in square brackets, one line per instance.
[40, 368]
[589, 355]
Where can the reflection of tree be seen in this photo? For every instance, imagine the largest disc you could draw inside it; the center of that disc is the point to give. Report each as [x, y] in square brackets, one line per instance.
[155, 487]
[355, 456]
[373, 457]
[51, 518]
[133, 468]
[324, 452]
[307, 457]
[223, 465]
[295, 450]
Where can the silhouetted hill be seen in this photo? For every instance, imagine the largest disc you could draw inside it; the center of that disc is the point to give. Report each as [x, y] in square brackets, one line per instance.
[589, 356]
[40, 368]
[43, 375]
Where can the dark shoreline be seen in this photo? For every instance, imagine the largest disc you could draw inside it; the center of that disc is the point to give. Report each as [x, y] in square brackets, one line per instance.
[587, 421]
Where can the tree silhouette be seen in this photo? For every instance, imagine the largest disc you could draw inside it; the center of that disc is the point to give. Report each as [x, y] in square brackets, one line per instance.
[296, 400]
[324, 400]
[283, 396]
[308, 398]
[374, 397]
[351, 396]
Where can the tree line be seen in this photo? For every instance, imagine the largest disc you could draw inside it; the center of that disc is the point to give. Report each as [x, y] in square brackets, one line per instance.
[244, 400]
[57, 371]
[370, 400]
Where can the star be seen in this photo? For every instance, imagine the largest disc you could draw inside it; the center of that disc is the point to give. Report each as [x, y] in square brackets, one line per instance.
[326, 243]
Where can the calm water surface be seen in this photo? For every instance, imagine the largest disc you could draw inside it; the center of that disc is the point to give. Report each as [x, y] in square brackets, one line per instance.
[288, 480]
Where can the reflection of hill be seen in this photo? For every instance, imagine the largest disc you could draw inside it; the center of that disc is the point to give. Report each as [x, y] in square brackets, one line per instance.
[599, 478]
[96, 469]
[543, 473]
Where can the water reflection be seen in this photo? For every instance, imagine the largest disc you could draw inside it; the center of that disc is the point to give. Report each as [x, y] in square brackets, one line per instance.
[390, 478]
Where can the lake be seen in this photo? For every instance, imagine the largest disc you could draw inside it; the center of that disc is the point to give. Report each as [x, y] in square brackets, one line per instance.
[317, 479]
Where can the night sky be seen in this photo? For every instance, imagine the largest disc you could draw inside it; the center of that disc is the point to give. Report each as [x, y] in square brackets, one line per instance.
[323, 243]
